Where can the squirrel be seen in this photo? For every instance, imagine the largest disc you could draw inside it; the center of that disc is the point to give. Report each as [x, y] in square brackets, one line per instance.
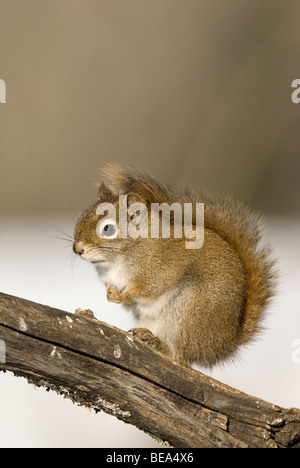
[197, 306]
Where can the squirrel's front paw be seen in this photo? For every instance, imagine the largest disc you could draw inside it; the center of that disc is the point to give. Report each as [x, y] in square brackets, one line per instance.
[113, 295]
[119, 297]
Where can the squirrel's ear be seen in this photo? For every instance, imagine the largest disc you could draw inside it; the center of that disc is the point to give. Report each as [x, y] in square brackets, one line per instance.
[135, 198]
[104, 192]
[137, 206]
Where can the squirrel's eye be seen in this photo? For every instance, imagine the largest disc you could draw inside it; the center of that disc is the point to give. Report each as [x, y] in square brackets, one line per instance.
[108, 230]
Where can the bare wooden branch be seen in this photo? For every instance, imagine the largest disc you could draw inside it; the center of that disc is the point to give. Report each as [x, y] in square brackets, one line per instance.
[104, 368]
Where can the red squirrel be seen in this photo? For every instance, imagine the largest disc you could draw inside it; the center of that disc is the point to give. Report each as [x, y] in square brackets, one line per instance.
[194, 305]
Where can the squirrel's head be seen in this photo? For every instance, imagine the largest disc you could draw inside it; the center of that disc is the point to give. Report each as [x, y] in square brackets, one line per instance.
[133, 216]
[99, 236]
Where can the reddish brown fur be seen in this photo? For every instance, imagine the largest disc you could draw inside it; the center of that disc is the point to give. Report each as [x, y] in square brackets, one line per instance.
[218, 294]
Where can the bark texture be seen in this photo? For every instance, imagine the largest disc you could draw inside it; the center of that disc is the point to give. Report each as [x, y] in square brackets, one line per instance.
[104, 368]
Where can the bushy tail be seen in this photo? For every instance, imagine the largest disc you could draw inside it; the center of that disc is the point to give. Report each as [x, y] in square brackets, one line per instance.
[243, 232]
[233, 222]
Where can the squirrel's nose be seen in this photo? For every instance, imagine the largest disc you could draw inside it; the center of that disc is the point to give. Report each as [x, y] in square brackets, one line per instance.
[78, 247]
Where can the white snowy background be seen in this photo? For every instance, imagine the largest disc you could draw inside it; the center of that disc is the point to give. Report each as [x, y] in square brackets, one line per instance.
[37, 266]
[200, 95]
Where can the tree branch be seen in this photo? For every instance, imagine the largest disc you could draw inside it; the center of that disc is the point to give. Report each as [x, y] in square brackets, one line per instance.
[104, 368]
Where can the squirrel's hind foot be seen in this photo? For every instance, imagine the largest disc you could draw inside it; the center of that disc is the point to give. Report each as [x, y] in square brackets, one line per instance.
[154, 342]
[85, 313]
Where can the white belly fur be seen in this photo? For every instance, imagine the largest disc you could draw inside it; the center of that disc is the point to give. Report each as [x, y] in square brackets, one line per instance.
[159, 316]
[114, 275]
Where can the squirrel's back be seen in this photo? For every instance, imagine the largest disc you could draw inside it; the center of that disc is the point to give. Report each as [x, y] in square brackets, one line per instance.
[233, 222]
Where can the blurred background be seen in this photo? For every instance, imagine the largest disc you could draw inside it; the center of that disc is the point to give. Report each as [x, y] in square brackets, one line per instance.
[194, 90]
